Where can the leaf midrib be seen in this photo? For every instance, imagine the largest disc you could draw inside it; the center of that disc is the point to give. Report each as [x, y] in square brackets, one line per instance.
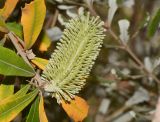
[3, 114]
[16, 67]
[33, 25]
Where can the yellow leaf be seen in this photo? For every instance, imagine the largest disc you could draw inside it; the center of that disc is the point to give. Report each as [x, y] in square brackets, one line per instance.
[8, 8]
[42, 114]
[77, 109]
[40, 62]
[45, 42]
[3, 26]
[6, 91]
[33, 16]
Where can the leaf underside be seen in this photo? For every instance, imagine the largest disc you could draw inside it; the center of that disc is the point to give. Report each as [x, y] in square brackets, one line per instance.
[74, 57]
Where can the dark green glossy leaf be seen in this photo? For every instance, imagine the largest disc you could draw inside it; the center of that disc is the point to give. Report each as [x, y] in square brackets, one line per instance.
[33, 115]
[153, 25]
[11, 64]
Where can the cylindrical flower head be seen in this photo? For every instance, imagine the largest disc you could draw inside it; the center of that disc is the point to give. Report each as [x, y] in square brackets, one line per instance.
[71, 62]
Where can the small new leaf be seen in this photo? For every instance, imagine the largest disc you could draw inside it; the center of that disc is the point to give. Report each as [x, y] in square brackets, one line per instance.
[124, 25]
[112, 10]
[70, 64]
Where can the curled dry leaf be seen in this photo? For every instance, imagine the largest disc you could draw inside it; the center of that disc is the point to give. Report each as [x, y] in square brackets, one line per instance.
[77, 109]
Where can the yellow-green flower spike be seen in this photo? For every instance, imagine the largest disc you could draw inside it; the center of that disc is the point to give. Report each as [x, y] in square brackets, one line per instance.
[71, 62]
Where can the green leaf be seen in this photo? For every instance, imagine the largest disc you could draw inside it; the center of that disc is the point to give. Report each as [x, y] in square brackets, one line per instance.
[20, 93]
[72, 61]
[6, 89]
[153, 24]
[16, 28]
[11, 64]
[33, 115]
[10, 109]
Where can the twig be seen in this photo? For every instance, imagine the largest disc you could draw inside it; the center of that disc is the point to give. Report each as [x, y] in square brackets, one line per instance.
[134, 77]
[52, 20]
[19, 48]
[74, 3]
[117, 113]
[55, 18]
[114, 47]
[136, 59]
[113, 34]
[21, 41]
[21, 52]
[90, 7]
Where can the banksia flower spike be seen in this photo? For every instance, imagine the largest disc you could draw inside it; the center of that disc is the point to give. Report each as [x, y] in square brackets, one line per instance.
[71, 62]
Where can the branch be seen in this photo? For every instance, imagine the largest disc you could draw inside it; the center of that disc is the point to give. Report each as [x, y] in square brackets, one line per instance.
[131, 53]
[18, 45]
[19, 48]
